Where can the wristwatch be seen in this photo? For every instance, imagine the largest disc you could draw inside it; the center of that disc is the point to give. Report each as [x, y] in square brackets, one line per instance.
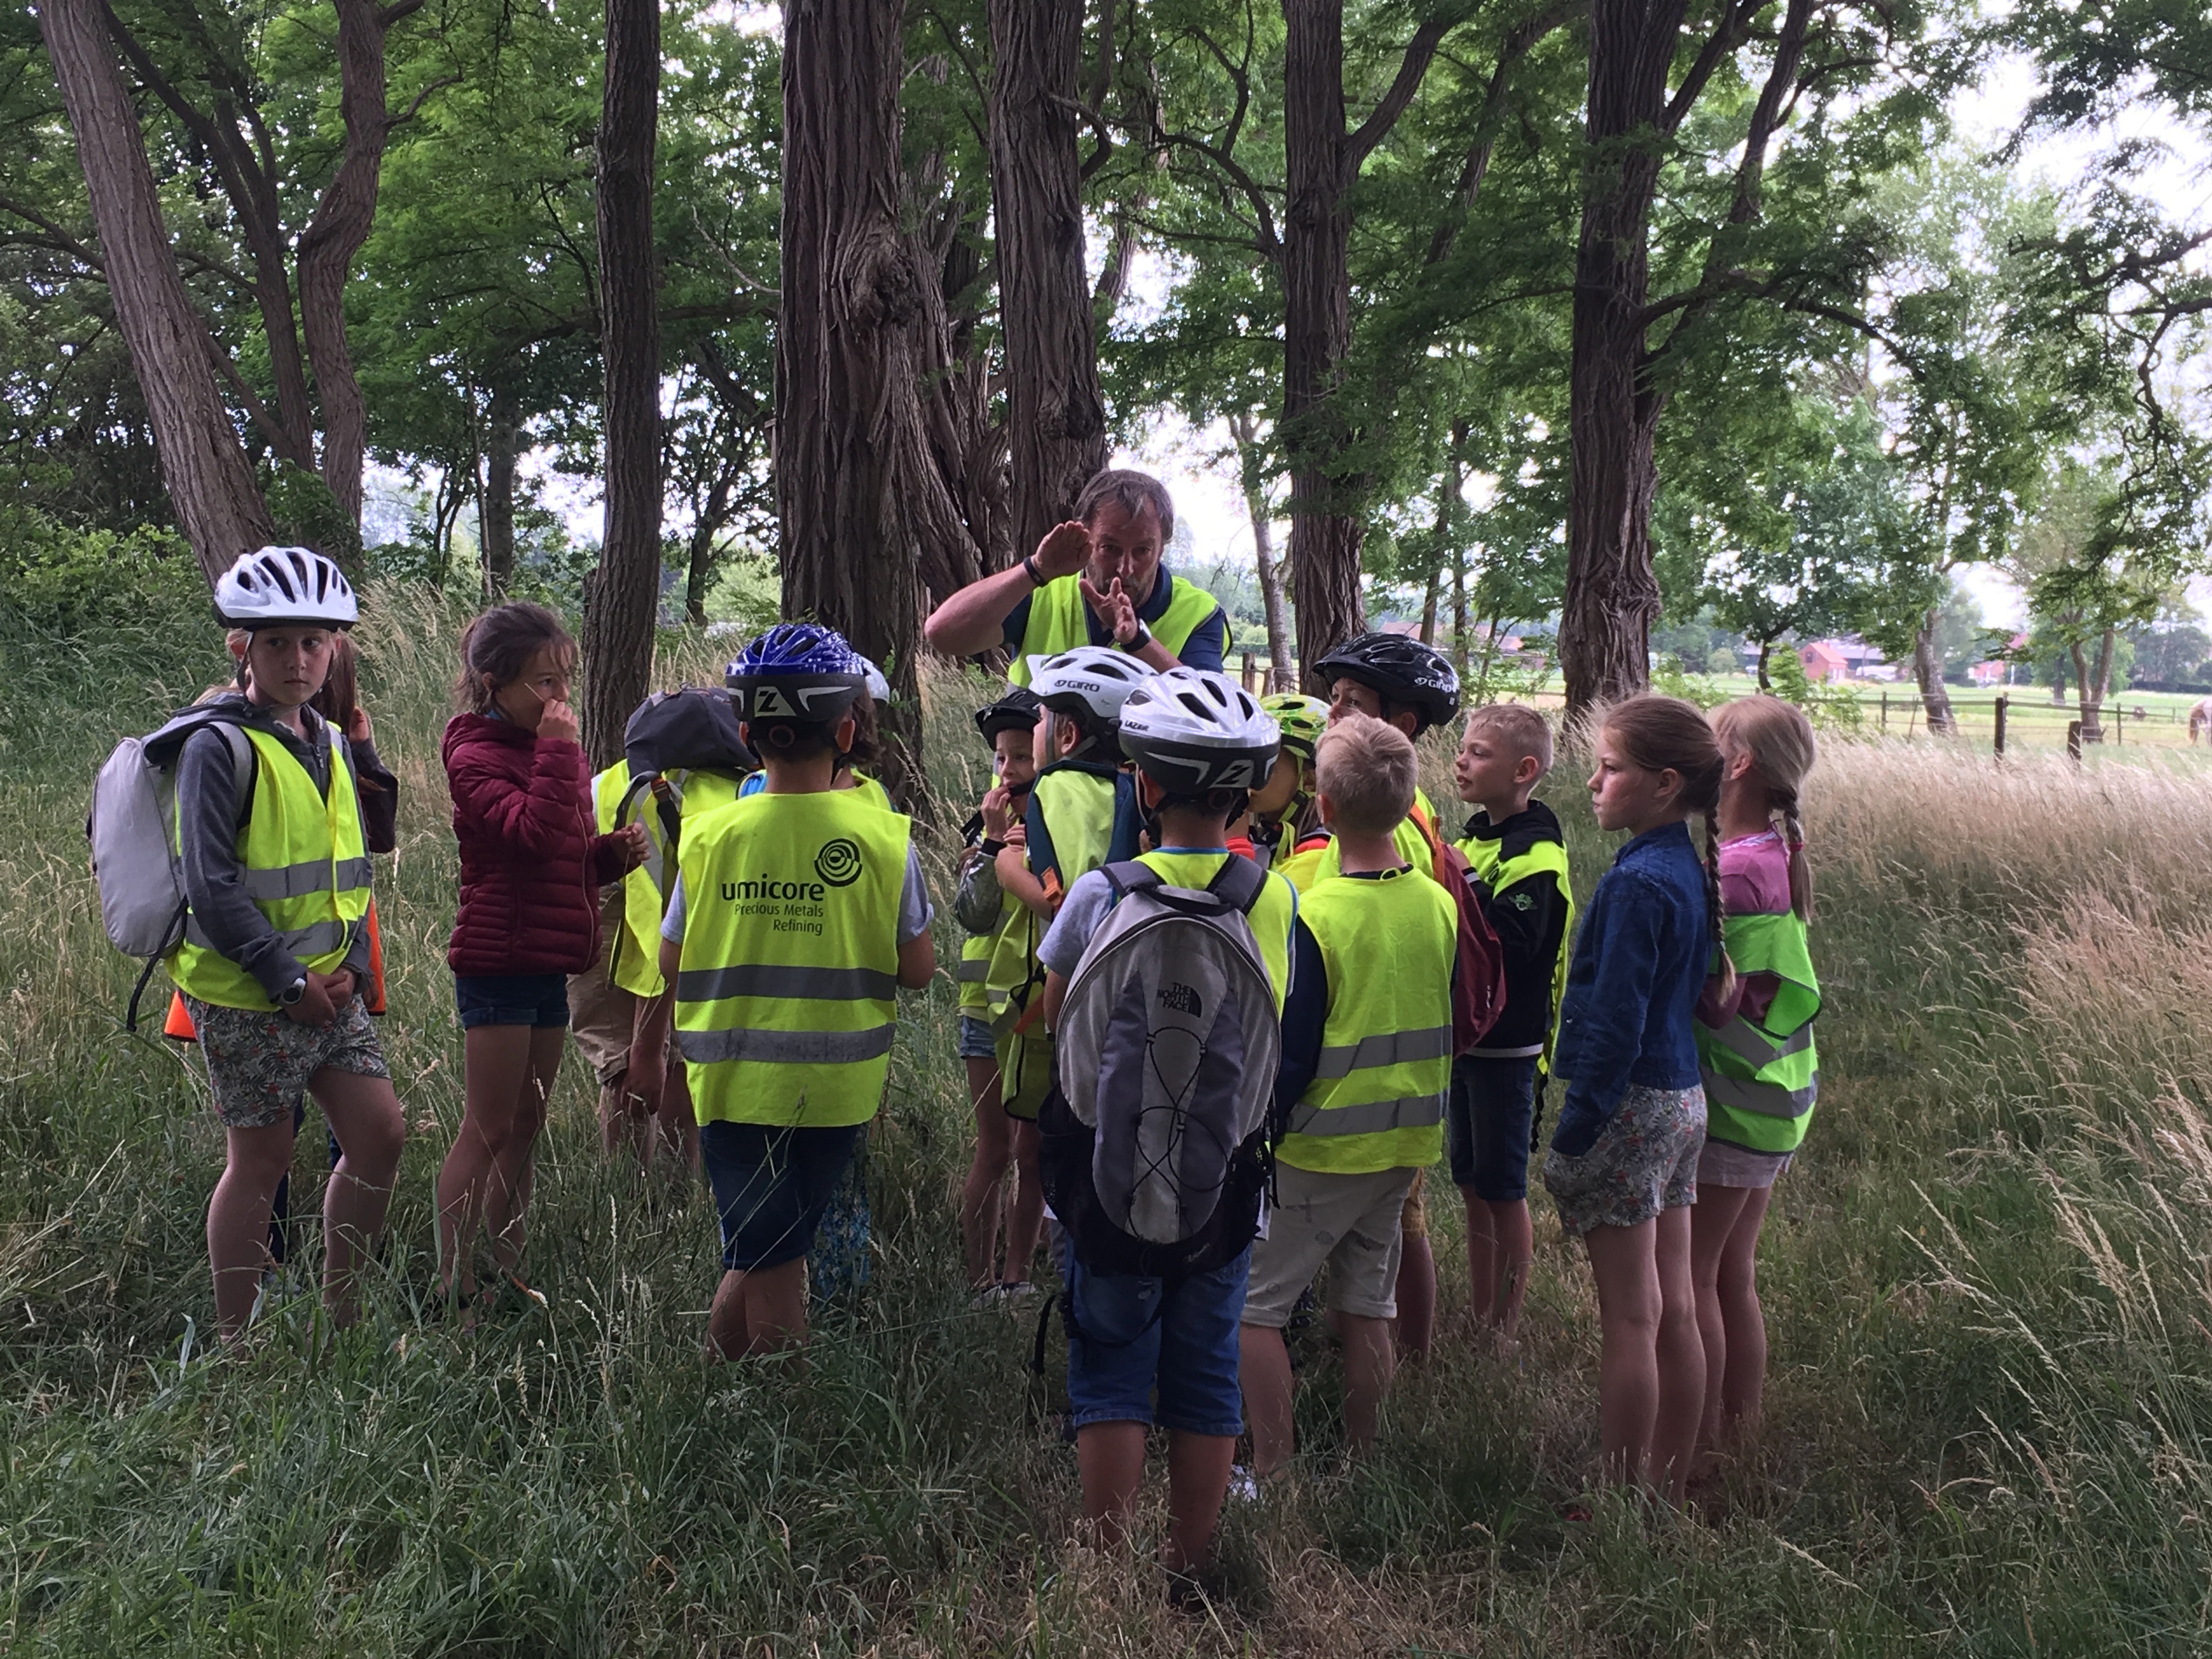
[1138, 640]
[991, 848]
[290, 995]
[1029, 568]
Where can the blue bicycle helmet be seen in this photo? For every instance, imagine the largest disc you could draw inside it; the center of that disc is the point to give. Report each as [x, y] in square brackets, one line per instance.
[797, 671]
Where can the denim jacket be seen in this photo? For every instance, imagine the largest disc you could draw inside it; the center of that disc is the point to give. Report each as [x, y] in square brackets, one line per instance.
[1639, 962]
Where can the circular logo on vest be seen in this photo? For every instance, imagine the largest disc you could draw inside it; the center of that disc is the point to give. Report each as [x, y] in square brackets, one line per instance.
[838, 863]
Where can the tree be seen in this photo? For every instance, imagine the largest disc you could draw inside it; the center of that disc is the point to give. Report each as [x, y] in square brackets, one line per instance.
[208, 480]
[847, 362]
[1056, 423]
[2173, 650]
[619, 611]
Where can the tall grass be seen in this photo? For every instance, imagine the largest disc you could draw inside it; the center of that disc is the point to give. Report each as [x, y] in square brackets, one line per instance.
[1989, 1419]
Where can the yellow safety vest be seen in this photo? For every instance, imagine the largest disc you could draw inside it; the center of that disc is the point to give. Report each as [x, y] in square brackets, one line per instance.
[1377, 1101]
[634, 951]
[1059, 621]
[305, 869]
[1762, 1077]
[1498, 874]
[787, 989]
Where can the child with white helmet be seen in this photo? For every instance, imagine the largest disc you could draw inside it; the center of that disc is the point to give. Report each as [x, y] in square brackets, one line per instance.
[1082, 813]
[1201, 744]
[275, 945]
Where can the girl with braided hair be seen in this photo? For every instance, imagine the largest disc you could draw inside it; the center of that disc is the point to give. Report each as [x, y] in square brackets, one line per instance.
[1623, 1161]
[1762, 1073]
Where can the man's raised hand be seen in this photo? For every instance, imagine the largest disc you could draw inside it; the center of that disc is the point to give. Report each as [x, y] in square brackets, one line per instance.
[1065, 549]
[1115, 611]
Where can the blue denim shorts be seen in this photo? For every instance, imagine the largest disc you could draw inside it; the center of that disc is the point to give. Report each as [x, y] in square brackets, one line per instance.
[772, 1183]
[1123, 1341]
[1490, 1123]
[977, 1041]
[538, 999]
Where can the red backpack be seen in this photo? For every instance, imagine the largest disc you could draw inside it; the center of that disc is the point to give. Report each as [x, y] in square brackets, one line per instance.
[1479, 969]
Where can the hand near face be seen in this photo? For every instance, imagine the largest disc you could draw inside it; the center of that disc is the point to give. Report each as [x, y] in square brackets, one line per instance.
[1115, 611]
[1065, 549]
[557, 724]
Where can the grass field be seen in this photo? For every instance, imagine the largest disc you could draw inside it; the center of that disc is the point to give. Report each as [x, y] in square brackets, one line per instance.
[1990, 1418]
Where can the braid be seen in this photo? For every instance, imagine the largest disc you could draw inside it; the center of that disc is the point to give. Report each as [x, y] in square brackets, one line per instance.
[1725, 969]
[1783, 804]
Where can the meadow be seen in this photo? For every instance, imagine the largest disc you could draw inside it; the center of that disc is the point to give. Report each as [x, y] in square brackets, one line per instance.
[1988, 1280]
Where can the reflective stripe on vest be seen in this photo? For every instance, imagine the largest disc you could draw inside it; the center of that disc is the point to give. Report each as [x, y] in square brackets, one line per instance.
[1542, 858]
[1762, 1077]
[1059, 621]
[786, 991]
[306, 868]
[1376, 1100]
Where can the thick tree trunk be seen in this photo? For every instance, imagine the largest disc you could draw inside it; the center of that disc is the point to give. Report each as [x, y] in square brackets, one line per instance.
[952, 455]
[203, 464]
[1928, 675]
[847, 360]
[625, 592]
[502, 438]
[1325, 529]
[333, 239]
[1613, 597]
[1282, 672]
[2093, 680]
[1056, 419]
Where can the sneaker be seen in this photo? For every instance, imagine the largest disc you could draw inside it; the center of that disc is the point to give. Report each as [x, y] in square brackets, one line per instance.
[1244, 1484]
[1014, 1292]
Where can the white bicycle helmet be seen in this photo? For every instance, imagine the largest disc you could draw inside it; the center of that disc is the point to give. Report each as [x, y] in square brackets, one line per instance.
[1192, 729]
[1095, 678]
[285, 587]
[879, 689]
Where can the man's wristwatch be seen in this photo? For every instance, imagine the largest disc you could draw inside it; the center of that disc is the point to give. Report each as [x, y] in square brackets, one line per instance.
[990, 848]
[1029, 568]
[290, 995]
[1139, 640]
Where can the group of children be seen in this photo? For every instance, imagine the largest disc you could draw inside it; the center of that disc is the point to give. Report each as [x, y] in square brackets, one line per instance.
[743, 1011]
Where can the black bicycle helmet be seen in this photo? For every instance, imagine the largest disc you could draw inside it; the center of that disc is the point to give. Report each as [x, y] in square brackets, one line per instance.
[1399, 669]
[1017, 711]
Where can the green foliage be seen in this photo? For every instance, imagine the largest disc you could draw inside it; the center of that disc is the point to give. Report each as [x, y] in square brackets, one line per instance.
[1829, 708]
[69, 584]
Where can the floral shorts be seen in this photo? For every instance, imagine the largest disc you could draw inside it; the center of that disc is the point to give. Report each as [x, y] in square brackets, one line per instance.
[259, 1063]
[1643, 1161]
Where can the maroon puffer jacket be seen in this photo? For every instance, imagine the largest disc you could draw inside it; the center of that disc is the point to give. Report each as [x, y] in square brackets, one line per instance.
[532, 865]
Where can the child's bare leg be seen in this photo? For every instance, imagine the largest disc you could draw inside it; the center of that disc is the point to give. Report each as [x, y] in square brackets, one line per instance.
[515, 1166]
[980, 1195]
[1025, 1215]
[1417, 1297]
[678, 1128]
[1110, 1457]
[1712, 1218]
[363, 1113]
[238, 1218]
[497, 1063]
[1368, 1364]
[1625, 1262]
[1682, 1358]
[623, 1127]
[759, 1310]
[1513, 1253]
[1198, 1479]
[1743, 1385]
[1263, 1370]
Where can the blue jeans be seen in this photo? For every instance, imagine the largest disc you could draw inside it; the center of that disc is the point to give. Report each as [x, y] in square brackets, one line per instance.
[1489, 1124]
[536, 1000]
[1128, 1335]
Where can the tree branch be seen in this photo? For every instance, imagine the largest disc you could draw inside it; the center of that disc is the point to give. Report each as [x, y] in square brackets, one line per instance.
[1420, 51]
[1518, 43]
[1728, 33]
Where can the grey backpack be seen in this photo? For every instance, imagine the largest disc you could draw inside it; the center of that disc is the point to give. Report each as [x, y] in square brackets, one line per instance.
[133, 827]
[1156, 1144]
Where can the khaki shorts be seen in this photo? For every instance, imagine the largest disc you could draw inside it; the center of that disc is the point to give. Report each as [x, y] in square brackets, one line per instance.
[1349, 1221]
[600, 1012]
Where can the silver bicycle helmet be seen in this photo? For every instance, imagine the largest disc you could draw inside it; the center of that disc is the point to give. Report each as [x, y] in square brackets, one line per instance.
[285, 587]
[1095, 678]
[1192, 729]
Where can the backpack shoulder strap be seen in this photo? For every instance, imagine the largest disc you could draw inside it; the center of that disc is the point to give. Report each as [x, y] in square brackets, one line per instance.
[1129, 877]
[1238, 882]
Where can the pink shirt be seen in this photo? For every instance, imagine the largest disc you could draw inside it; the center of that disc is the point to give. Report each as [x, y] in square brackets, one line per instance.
[1754, 874]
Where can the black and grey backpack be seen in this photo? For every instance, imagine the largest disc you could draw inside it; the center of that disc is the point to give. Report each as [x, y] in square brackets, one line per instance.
[1156, 1143]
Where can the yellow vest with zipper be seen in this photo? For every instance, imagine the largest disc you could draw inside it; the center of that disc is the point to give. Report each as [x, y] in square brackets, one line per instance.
[1377, 1101]
[634, 951]
[306, 867]
[786, 986]
[1059, 621]
[1308, 870]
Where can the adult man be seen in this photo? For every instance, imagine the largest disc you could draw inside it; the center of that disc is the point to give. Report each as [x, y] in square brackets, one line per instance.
[1095, 579]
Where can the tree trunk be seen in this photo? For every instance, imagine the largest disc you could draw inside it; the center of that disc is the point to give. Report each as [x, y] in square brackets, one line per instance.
[1454, 503]
[2092, 680]
[1928, 675]
[1057, 421]
[1766, 650]
[203, 464]
[502, 431]
[333, 239]
[1435, 587]
[619, 614]
[1282, 675]
[1613, 597]
[847, 360]
[1326, 531]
